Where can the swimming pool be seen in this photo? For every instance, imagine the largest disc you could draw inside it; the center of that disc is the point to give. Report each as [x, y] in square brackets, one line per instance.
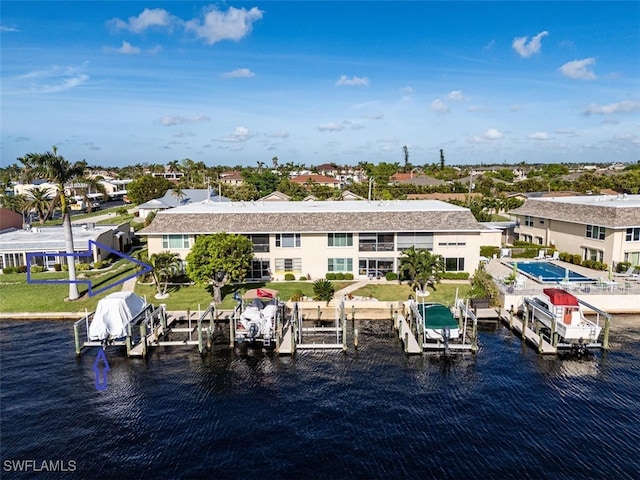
[546, 272]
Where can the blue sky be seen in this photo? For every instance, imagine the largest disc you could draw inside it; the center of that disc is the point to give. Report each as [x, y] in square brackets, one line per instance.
[237, 83]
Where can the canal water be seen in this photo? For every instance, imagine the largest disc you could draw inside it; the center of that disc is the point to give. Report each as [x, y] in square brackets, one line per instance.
[374, 413]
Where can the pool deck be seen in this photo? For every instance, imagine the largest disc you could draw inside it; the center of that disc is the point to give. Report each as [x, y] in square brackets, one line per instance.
[621, 296]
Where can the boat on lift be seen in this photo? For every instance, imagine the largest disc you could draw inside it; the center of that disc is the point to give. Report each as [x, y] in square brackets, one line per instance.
[560, 311]
[257, 316]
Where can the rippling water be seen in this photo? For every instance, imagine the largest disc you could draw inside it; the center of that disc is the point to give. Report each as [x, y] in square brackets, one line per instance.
[372, 413]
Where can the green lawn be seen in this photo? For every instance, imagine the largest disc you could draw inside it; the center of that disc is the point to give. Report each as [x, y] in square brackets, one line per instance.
[16, 295]
[393, 292]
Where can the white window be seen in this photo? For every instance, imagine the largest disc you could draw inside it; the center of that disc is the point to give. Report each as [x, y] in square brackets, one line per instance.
[288, 240]
[175, 241]
[454, 264]
[288, 265]
[340, 239]
[594, 231]
[633, 234]
[340, 264]
[528, 221]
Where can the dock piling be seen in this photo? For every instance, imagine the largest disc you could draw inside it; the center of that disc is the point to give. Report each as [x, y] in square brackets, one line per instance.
[605, 335]
[76, 335]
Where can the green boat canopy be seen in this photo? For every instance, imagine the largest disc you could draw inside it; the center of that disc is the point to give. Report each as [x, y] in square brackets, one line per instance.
[436, 315]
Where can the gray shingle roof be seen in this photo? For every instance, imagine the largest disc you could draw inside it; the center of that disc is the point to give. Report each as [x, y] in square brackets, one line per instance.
[603, 210]
[314, 217]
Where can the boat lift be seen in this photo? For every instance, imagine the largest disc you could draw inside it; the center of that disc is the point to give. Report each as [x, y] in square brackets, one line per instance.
[548, 341]
[152, 327]
[332, 337]
[412, 332]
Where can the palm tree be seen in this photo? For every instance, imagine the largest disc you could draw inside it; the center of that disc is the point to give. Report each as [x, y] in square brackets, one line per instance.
[165, 265]
[59, 171]
[423, 268]
[178, 192]
[39, 199]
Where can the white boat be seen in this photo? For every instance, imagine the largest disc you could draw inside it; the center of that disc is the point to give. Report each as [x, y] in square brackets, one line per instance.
[258, 316]
[560, 311]
[113, 315]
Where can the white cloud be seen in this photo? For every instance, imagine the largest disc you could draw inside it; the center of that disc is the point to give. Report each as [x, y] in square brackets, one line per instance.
[493, 134]
[125, 49]
[539, 136]
[8, 29]
[239, 73]
[234, 24]
[169, 121]
[490, 134]
[439, 107]
[579, 69]
[240, 134]
[331, 127]
[525, 49]
[352, 82]
[156, 17]
[456, 95]
[53, 80]
[624, 106]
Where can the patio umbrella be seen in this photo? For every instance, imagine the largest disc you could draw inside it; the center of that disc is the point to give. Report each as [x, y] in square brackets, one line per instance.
[610, 273]
[566, 275]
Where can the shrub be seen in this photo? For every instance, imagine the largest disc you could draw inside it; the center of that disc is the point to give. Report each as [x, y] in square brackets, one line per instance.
[80, 267]
[36, 269]
[330, 276]
[9, 270]
[297, 295]
[303, 278]
[622, 267]
[289, 277]
[22, 269]
[454, 275]
[482, 286]
[489, 251]
[391, 276]
[577, 259]
[57, 267]
[348, 276]
[323, 290]
[339, 276]
[102, 264]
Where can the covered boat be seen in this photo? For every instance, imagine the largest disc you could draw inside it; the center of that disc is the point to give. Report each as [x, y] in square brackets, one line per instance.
[259, 309]
[439, 321]
[560, 311]
[113, 315]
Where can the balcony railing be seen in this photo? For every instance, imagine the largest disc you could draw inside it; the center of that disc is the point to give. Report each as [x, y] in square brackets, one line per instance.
[377, 247]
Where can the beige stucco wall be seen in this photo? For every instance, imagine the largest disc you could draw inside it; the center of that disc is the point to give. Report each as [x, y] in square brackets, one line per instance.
[571, 237]
[314, 251]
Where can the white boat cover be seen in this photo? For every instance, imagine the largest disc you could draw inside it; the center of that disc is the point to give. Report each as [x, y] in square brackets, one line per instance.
[113, 314]
[262, 317]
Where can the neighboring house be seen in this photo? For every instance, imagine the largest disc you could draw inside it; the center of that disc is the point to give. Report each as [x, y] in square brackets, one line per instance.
[9, 219]
[318, 237]
[116, 189]
[275, 197]
[327, 169]
[171, 200]
[23, 188]
[231, 178]
[16, 243]
[317, 179]
[605, 228]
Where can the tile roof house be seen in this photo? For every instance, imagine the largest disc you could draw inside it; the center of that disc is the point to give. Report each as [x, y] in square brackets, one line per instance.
[318, 237]
[604, 228]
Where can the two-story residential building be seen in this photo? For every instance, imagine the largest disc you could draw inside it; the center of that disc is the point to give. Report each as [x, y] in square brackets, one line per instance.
[605, 228]
[313, 238]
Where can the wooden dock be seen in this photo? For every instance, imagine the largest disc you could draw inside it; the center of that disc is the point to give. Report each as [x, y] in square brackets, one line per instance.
[530, 336]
